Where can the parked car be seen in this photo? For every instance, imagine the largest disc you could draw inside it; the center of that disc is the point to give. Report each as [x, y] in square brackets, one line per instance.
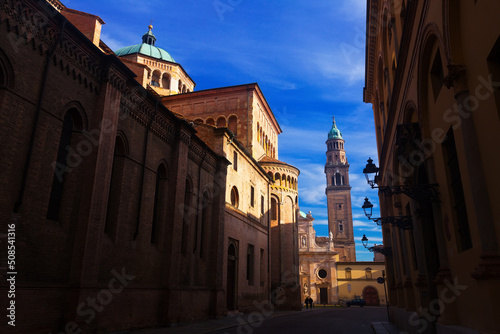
[359, 302]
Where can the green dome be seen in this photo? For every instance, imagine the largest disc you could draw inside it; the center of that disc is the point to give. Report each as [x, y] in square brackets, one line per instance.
[334, 132]
[147, 48]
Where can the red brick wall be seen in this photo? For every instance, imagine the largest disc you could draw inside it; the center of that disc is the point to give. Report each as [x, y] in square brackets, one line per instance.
[61, 263]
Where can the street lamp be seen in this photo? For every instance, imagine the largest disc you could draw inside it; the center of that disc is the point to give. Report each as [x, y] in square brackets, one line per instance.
[364, 240]
[367, 206]
[418, 192]
[402, 222]
[371, 168]
[386, 251]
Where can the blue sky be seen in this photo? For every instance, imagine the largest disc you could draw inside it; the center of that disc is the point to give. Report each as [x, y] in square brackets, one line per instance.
[307, 57]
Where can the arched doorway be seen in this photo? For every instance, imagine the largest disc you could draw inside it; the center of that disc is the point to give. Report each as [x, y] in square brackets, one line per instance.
[370, 295]
[232, 276]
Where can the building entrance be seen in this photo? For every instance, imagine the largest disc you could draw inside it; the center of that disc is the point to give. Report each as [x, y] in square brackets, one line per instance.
[370, 296]
[232, 278]
[323, 295]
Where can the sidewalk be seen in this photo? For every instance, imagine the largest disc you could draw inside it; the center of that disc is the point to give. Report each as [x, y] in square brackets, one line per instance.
[384, 328]
[208, 326]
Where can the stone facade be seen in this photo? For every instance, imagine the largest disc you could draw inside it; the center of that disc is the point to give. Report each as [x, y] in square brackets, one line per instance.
[432, 76]
[318, 264]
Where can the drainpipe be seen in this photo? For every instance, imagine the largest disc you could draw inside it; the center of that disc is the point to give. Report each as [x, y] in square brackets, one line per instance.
[145, 147]
[38, 111]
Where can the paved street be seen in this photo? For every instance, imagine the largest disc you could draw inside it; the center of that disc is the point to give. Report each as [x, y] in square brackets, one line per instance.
[354, 320]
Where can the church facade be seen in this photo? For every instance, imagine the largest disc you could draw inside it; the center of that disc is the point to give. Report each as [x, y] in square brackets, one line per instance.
[328, 267]
[120, 195]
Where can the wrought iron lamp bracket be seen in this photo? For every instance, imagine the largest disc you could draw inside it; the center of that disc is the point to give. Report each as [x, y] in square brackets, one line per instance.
[418, 192]
[401, 222]
[386, 251]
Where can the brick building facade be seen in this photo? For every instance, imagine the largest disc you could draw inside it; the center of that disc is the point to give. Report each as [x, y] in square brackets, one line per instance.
[123, 210]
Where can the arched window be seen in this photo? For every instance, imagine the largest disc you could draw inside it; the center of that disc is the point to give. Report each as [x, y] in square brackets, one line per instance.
[115, 188]
[341, 227]
[338, 179]
[221, 122]
[198, 120]
[71, 123]
[274, 209]
[234, 197]
[437, 74]
[210, 121]
[155, 79]
[165, 81]
[233, 124]
[277, 178]
[159, 202]
[179, 87]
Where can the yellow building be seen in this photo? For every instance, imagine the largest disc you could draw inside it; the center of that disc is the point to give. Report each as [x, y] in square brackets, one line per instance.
[432, 77]
[359, 280]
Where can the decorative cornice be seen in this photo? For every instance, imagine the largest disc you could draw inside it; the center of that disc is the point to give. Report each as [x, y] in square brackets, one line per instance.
[27, 24]
[196, 151]
[115, 79]
[184, 137]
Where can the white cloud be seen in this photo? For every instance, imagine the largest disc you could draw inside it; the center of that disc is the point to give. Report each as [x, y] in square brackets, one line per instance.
[320, 222]
[361, 223]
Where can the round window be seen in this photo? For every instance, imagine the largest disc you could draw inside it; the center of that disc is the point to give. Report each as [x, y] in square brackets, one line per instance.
[322, 273]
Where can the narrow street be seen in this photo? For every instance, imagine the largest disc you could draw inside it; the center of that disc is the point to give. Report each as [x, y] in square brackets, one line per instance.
[353, 320]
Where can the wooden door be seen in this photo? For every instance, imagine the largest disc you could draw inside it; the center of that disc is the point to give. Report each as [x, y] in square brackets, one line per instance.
[370, 295]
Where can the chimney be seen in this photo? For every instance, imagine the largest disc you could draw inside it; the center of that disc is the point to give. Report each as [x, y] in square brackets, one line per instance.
[88, 24]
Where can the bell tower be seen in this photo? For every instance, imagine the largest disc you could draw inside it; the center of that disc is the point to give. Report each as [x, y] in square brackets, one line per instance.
[338, 194]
